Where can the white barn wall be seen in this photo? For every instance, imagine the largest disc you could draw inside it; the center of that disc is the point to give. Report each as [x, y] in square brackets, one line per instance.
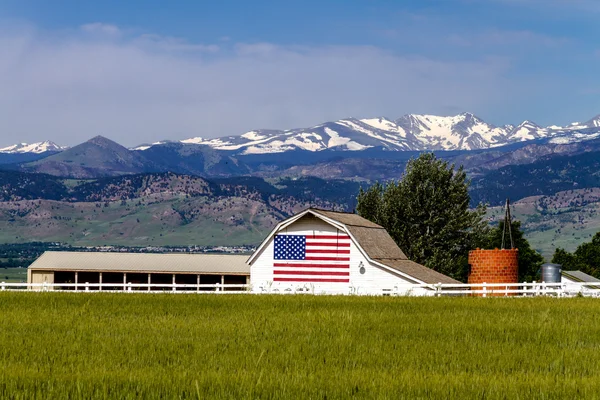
[374, 281]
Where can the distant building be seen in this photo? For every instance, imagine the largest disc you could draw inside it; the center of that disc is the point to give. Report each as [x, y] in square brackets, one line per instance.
[330, 252]
[123, 268]
[572, 281]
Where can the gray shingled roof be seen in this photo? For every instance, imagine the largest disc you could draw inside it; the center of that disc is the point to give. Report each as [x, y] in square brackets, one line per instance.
[416, 270]
[225, 264]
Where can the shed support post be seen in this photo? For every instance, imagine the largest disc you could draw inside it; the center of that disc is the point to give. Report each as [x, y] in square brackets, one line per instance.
[173, 282]
[222, 282]
[149, 281]
[100, 281]
[124, 281]
[198, 283]
[76, 280]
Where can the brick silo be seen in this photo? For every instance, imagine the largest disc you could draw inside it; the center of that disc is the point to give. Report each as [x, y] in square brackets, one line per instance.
[494, 266]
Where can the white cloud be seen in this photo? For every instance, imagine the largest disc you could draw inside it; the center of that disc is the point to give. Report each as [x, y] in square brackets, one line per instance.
[147, 88]
[100, 28]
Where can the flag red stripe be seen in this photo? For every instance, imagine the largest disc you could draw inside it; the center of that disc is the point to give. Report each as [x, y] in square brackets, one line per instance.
[311, 273]
[330, 251]
[327, 237]
[332, 244]
[327, 259]
[310, 280]
[312, 265]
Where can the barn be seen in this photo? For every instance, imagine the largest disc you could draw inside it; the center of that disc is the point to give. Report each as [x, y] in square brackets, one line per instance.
[116, 270]
[327, 252]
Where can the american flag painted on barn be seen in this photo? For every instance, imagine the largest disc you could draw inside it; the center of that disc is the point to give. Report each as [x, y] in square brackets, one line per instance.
[322, 257]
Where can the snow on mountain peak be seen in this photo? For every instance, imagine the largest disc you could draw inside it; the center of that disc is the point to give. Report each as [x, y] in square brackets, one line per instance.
[37, 148]
[411, 132]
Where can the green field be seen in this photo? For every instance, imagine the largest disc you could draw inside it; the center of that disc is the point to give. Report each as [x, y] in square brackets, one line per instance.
[13, 275]
[210, 346]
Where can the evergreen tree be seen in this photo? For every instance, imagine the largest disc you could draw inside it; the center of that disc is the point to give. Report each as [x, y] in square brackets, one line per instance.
[427, 214]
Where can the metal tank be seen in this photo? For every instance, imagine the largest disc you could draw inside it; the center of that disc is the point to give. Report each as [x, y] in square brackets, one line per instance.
[551, 273]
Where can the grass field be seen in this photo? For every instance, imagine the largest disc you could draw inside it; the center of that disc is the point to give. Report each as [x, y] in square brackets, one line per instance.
[13, 275]
[189, 346]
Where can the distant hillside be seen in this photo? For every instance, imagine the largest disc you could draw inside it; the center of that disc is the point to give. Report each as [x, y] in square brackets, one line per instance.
[94, 158]
[157, 209]
[565, 219]
[544, 177]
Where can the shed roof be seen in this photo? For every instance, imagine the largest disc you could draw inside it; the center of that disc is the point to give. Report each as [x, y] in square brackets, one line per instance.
[416, 270]
[580, 276]
[142, 262]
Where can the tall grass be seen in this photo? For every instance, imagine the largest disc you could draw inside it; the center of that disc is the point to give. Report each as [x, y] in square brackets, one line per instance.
[199, 346]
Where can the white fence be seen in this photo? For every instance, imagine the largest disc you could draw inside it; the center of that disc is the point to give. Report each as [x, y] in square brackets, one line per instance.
[127, 287]
[587, 289]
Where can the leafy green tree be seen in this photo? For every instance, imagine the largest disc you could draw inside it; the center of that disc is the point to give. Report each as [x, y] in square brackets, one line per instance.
[427, 214]
[530, 261]
[585, 259]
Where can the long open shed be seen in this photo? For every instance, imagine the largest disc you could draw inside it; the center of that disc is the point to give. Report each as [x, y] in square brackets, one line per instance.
[138, 268]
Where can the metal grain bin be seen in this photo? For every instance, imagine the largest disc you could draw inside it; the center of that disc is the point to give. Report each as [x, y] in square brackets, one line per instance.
[551, 273]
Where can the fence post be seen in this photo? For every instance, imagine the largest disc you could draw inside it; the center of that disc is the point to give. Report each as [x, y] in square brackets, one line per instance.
[3, 287]
[438, 289]
[484, 289]
[534, 288]
[87, 286]
[129, 286]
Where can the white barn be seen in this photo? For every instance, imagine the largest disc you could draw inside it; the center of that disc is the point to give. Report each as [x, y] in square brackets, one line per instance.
[327, 252]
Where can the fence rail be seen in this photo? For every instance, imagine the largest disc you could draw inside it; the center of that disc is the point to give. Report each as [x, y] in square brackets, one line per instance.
[588, 289]
[127, 287]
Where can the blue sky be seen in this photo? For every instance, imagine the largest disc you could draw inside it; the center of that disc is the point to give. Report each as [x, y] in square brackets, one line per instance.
[141, 71]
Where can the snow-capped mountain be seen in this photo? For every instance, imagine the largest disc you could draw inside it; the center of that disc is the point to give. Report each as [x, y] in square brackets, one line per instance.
[36, 148]
[410, 132]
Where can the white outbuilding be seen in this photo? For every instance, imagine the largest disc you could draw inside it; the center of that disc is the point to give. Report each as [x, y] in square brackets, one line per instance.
[327, 252]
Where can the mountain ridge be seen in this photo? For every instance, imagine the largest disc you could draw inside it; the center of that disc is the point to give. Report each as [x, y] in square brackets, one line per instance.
[411, 132]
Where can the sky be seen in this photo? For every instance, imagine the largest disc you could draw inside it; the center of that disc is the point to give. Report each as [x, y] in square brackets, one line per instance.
[143, 71]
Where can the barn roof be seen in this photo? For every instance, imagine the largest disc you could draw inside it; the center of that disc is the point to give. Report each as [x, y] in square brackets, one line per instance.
[376, 243]
[347, 219]
[416, 270]
[224, 264]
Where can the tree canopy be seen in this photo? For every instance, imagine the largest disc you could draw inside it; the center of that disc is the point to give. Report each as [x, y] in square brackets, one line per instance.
[427, 214]
[585, 259]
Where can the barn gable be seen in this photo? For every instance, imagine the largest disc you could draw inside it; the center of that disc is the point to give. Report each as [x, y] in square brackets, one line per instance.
[365, 257]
